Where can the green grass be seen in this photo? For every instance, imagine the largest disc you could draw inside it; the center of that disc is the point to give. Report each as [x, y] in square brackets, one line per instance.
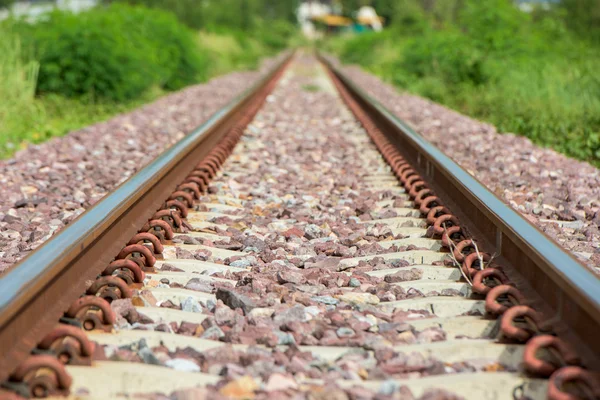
[311, 88]
[57, 115]
[543, 83]
[27, 118]
[228, 53]
[17, 91]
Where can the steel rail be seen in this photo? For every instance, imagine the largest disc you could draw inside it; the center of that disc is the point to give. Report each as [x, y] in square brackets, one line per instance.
[36, 292]
[570, 292]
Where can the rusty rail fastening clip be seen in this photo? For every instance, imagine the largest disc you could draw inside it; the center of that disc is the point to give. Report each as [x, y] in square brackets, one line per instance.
[43, 373]
[486, 278]
[70, 344]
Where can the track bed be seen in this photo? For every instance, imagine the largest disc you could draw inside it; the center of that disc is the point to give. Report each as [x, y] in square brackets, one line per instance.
[303, 270]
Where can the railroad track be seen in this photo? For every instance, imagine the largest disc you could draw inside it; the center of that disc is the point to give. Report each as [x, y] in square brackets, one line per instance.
[274, 254]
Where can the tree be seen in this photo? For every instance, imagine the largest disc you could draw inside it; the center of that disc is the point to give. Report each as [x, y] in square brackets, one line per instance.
[386, 9]
[278, 9]
[583, 17]
[6, 3]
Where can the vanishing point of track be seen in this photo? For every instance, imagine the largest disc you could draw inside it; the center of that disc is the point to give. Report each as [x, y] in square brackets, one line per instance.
[410, 280]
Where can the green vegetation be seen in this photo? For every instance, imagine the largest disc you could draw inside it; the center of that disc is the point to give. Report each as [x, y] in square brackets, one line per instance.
[70, 70]
[113, 53]
[27, 118]
[526, 73]
[311, 88]
[245, 15]
[17, 85]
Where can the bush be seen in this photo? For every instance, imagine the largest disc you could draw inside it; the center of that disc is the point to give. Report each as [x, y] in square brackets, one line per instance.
[175, 45]
[190, 12]
[448, 56]
[359, 50]
[229, 52]
[276, 34]
[525, 74]
[115, 53]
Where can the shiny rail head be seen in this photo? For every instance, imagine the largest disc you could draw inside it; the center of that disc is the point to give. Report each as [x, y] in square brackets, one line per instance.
[565, 284]
[35, 292]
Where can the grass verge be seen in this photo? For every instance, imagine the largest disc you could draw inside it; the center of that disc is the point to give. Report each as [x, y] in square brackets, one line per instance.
[533, 78]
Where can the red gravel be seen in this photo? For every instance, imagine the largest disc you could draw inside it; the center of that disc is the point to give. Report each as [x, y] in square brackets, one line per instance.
[558, 194]
[302, 168]
[46, 186]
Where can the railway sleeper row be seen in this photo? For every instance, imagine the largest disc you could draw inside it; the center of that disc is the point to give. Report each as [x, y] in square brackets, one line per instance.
[189, 303]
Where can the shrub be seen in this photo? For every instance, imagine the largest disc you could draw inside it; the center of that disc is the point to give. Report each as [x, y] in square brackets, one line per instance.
[493, 24]
[176, 46]
[448, 56]
[17, 88]
[229, 51]
[190, 12]
[524, 73]
[275, 34]
[359, 50]
[115, 53]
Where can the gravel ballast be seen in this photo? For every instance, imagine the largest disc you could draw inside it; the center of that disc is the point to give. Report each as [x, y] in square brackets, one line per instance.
[558, 194]
[46, 186]
[304, 271]
[302, 247]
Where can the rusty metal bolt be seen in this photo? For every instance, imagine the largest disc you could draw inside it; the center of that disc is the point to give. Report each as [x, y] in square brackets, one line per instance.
[587, 383]
[462, 249]
[417, 187]
[402, 168]
[443, 222]
[406, 174]
[474, 260]
[429, 203]
[422, 194]
[216, 158]
[192, 188]
[147, 238]
[521, 334]
[202, 175]
[177, 205]
[110, 288]
[452, 235]
[479, 285]
[201, 187]
[70, 344]
[182, 196]
[220, 153]
[491, 300]
[138, 253]
[411, 180]
[171, 216]
[159, 228]
[213, 162]
[127, 270]
[44, 375]
[544, 368]
[207, 168]
[93, 313]
[436, 212]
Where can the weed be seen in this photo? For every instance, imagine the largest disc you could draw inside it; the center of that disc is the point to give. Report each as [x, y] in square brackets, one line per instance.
[311, 88]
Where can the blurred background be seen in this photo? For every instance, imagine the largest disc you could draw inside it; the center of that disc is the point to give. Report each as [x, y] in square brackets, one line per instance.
[527, 66]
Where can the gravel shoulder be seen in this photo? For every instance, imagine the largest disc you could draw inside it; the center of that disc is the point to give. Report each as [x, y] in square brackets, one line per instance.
[558, 194]
[46, 186]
